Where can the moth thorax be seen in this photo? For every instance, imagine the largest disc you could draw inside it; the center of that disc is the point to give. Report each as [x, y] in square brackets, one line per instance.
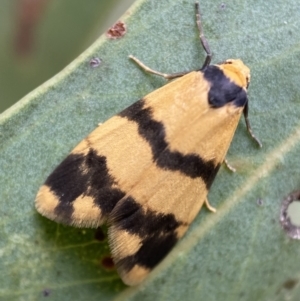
[237, 72]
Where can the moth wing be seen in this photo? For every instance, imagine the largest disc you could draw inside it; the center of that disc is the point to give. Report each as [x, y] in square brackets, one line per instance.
[86, 186]
[148, 169]
[188, 140]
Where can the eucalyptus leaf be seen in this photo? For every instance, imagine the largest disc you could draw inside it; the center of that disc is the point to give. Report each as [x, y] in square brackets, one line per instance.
[238, 253]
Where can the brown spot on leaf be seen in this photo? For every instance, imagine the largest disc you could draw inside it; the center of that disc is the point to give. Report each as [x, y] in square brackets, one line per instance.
[290, 284]
[117, 31]
[107, 263]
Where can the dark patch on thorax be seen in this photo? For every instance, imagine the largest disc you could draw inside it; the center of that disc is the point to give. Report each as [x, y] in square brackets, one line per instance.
[222, 89]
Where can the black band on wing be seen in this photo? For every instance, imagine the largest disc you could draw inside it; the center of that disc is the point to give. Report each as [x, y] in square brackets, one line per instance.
[153, 132]
[85, 175]
[156, 230]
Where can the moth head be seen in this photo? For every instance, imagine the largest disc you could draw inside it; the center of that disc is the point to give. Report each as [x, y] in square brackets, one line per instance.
[237, 71]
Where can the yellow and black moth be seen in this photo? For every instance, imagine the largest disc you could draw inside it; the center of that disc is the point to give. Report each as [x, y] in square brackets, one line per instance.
[147, 170]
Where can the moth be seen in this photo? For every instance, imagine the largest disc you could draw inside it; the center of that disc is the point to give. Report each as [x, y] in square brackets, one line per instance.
[147, 170]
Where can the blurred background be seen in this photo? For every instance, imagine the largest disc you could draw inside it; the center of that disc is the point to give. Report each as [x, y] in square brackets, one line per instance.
[38, 38]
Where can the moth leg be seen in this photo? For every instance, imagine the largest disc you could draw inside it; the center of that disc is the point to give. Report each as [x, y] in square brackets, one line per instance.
[209, 207]
[231, 168]
[202, 38]
[245, 112]
[164, 75]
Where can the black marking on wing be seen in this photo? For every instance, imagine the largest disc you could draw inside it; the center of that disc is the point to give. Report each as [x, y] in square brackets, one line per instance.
[85, 175]
[157, 231]
[153, 132]
[222, 89]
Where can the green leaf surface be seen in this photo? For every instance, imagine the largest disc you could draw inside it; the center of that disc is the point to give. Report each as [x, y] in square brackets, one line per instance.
[239, 253]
